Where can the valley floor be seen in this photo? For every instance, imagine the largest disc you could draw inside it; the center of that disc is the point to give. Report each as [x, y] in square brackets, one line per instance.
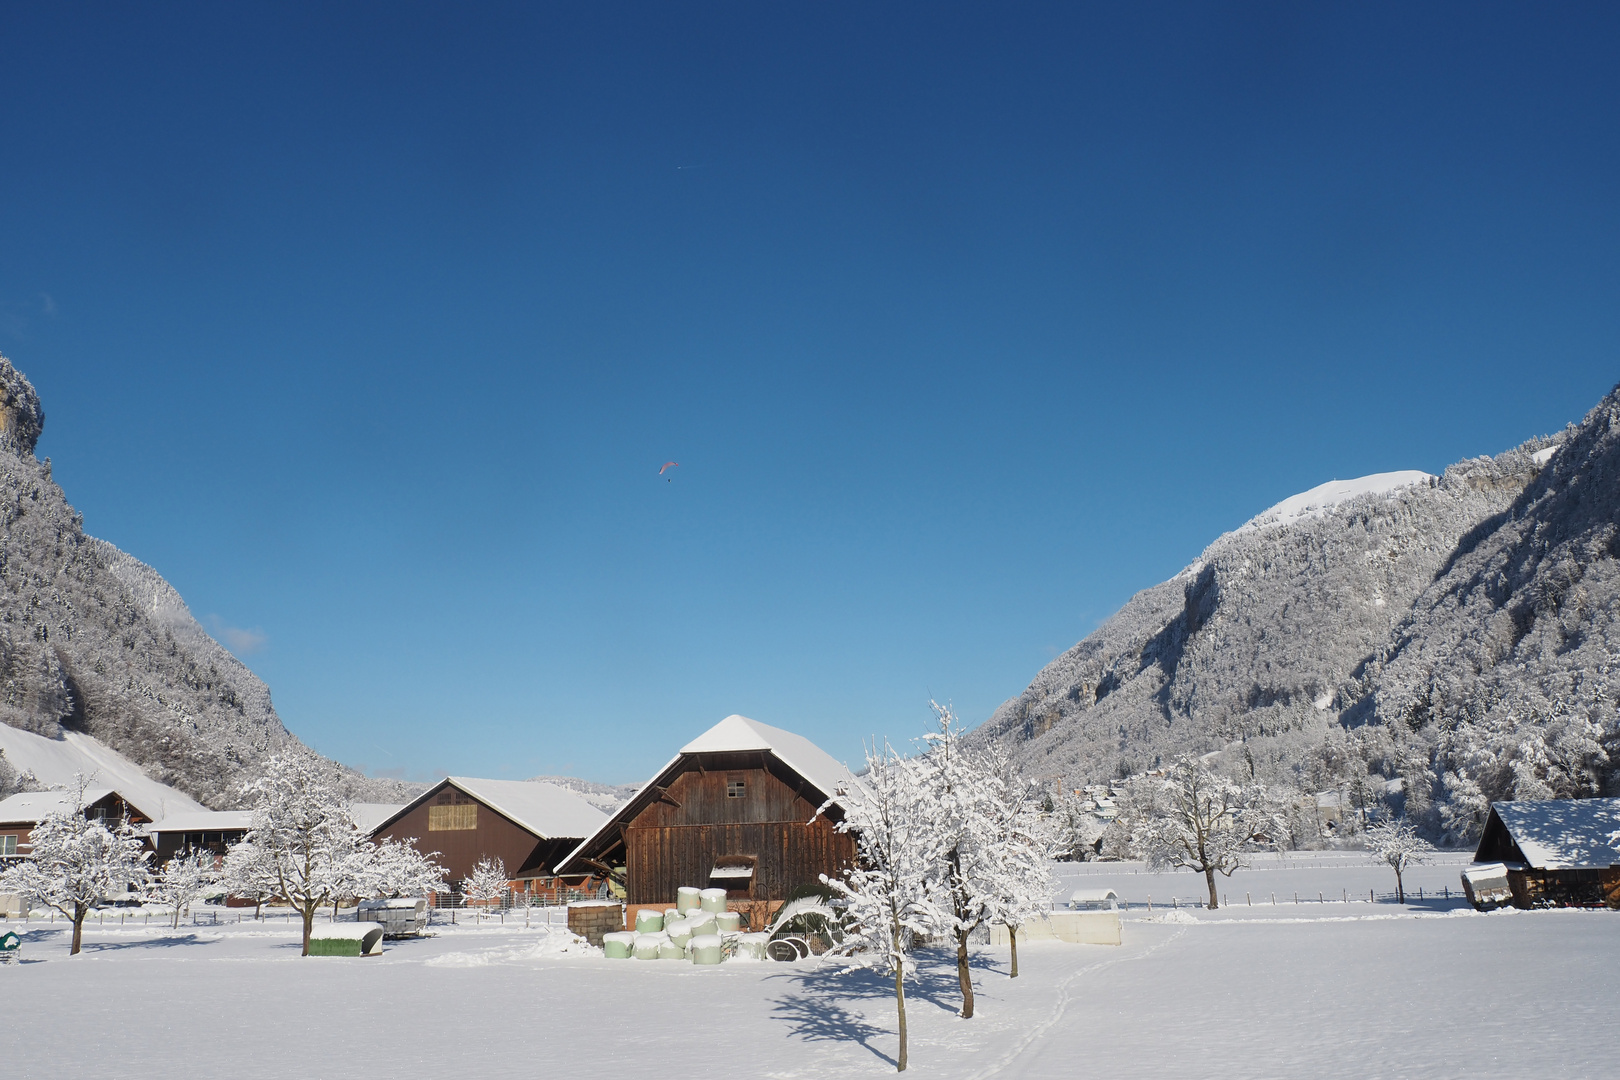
[1320, 990]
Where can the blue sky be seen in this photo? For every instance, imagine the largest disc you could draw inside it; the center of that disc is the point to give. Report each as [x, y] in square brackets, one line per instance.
[369, 326]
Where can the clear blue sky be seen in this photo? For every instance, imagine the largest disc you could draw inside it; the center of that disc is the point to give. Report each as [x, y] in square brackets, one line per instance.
[369, 326]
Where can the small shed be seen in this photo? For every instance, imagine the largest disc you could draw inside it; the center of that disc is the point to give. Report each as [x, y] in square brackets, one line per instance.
[201, 830]
[1094, 900]
[1553, 853]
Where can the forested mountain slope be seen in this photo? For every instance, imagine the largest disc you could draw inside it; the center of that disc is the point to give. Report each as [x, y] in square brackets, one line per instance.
[94, 640]
[1402, 629]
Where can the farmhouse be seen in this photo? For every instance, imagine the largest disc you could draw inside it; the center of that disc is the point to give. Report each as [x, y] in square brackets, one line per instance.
[732, 810]
[1553, 853]
[20, 813]
[201, 830]
[527, 824]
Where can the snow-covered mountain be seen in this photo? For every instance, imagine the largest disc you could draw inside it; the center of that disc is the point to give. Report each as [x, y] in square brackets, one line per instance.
[95, 641]
[1376, 626]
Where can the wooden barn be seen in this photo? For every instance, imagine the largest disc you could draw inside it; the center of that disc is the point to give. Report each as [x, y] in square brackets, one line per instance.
[20, 813]
[1553, 852]
[200, 830]
[732, 810]
[527, 824]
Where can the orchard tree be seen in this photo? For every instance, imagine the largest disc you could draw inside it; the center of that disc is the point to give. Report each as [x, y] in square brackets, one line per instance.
[488, 881]
[1195, 818]
[1018, 885]
[1398, 844]
[891, 895]
[184, 879]
[968, 812]
[248, 872]
[398, 869]
[304, 840]
[77, 863]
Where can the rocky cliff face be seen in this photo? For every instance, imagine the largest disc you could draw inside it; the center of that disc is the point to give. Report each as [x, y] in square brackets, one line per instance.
[93, 639]
[1375, 637]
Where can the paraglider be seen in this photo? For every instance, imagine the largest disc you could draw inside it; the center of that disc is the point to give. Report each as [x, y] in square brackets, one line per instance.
[667, 466]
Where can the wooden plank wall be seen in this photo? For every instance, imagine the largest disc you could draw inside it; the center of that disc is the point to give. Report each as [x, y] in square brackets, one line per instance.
[676, 841]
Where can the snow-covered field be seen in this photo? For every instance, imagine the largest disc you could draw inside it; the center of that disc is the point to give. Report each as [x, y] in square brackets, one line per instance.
[1307, 990]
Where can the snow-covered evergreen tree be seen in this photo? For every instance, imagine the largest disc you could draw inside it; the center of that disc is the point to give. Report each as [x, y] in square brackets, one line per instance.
[1195, 818]
[487, 883]
[184, 879]
[892, 896]
[1398, 844]
[304, 839]
[77, 863]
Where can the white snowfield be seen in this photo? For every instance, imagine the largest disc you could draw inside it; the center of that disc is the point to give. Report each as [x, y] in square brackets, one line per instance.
[55, 762]
[1324, 497]
[1357, 989]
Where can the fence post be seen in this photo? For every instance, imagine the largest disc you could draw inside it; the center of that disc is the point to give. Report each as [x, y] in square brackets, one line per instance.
[1247, 901]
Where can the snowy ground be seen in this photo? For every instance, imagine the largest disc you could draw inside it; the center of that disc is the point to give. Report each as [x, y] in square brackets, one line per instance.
[1314, 989]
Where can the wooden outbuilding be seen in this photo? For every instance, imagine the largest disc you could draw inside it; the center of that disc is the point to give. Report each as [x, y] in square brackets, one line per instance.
[1554, 853]
[528, 824]
[202, 830]
[736, 809]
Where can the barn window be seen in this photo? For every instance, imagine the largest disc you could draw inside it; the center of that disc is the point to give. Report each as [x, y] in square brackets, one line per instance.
[736, 789]
[453, 818]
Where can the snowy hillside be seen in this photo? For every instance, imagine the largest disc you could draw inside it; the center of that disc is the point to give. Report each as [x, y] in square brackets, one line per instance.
[1267, 644]
[93, 640]
[53, 763]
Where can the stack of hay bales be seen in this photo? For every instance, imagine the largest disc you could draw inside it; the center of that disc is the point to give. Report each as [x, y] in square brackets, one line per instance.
[698, 928]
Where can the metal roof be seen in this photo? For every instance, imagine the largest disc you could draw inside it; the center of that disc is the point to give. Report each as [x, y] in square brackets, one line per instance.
[545, 810]
[1564, 834]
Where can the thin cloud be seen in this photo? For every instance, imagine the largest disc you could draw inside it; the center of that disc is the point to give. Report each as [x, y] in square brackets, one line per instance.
[238, 640]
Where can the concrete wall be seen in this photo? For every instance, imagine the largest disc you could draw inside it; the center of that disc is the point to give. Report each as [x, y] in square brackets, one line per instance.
[1075, 927]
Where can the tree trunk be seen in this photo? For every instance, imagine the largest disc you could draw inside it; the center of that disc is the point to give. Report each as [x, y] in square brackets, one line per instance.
[964, 976]
[79, 912]
[176, 923]
[900, 999]
[309, 924]
[1209, 876]
[1400, 891]
[1012, 936]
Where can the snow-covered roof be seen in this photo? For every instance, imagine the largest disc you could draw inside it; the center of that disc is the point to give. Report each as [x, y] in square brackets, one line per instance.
[368, 815]
[739, 734]
[57, 761]
[203, 821]
[33, 806]
[1564, 834]
[544, 809]
[1323, 497]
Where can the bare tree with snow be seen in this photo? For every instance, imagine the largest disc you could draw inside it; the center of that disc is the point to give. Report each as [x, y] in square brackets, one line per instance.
[398, 869]
[891, 895]
[1195, 818]
[967, 796]
[184, 879]
[1398, 844]
[1018, 875]
[304, 839]
[76, 863]
[249, 872]
[488, 881]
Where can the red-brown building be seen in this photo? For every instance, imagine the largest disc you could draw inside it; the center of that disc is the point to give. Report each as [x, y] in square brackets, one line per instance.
[528, 824]
[735, 809]
[20, 813]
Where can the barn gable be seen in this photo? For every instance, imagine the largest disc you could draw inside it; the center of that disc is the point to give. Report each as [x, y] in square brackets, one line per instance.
[736, 808]
[527, 824]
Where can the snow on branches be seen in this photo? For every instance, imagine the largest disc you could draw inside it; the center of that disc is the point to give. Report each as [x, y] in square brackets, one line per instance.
[487, 883]
[1398, 844]
[77, 863]
[184, 880]
[1195, 818]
